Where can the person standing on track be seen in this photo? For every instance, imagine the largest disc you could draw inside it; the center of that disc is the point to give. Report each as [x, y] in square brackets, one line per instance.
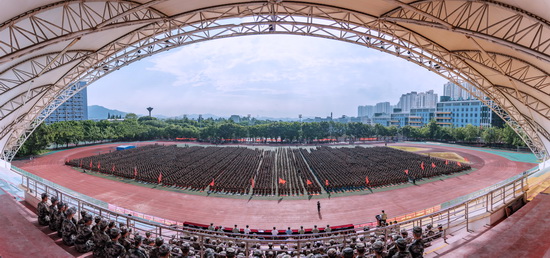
[318, 206]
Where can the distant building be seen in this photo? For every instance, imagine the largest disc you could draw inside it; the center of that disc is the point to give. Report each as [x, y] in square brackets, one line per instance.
[365, 111]
[413, 99]
[463, 112]
[383, 108]
[421, 116]
[455, 92]
[74, 109]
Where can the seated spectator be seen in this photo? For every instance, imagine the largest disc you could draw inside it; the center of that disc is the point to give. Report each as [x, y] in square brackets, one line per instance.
[83, 242]
[68, 229]
[113, 248]
[52, 213]
[315, 230]
[136, 250]
[43, 211]
[288, 231]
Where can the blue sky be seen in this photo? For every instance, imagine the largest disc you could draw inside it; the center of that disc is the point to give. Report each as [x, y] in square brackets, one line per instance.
[268, 75]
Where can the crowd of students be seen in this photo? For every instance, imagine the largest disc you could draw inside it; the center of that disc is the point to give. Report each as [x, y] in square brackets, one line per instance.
[104, 238]
[279, 172]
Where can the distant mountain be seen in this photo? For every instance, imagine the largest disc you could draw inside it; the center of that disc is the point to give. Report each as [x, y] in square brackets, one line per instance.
[96, 112]
[100, 112]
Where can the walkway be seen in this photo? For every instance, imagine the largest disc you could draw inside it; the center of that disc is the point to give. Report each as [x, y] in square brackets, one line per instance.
[523, 234]
[21, 236]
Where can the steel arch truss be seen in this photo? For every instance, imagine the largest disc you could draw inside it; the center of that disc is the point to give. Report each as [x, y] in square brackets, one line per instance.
[272, 17]
[488, 20]
[35, 29]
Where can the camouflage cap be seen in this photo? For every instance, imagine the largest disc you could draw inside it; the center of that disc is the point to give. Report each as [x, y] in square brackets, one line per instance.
[113, 233]
[347, 252]
[159, 241]
[87, 218]
[71, 211]
[378, 246]
[176, 250]
[417, 230]
[137, 239]
[60, 205]
[404, 232]
[401, 243]
[360, 247]
[54, 199]
[185, 247]
[97, 219]
[164, 249]
[44, 195]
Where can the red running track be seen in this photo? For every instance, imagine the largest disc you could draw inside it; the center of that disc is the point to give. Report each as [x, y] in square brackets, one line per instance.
[266, 214]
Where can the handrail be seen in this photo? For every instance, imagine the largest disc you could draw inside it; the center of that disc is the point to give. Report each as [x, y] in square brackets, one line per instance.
[490, 199]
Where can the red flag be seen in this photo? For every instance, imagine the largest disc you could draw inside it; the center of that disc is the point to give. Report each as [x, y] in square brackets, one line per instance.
[252, 182]
[446, 162]
[135, 172]
[433, 165]
[160, 177]
[406, 171]
[91, 165]
[99, 165]
[282, 181]
[113, 169]
[212, 183]
[367, 180]
[466, 159]
[308, 182]
[422, 165]
[81, 163]
[326, 182]
[458, 163]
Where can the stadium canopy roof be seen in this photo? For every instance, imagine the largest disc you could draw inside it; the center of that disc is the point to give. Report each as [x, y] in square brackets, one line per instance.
[502, 47]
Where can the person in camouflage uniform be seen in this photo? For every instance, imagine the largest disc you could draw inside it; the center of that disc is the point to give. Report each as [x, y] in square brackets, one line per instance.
[158, 243]
[101, 238]
[68, 227]
[113, 249]
[137, 251]
[83, 214]
[148, 240]
[43, 211]
[402, 252]
[95, 227]
[417, 247]
[164, 251]
[53, 211]
[83, 242]
[60, 217]
[124, 239]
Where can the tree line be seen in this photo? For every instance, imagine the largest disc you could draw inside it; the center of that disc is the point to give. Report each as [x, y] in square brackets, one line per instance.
[132, 128]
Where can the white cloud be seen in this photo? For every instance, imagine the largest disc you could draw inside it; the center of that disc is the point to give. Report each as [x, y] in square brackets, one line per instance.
[263, 75]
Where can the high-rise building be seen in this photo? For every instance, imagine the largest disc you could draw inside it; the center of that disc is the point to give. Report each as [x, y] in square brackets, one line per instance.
[413, 99]
[74, 109]
[456, 92]
[382, 107]
[365, 111]
[407, 101]
[426, 99]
